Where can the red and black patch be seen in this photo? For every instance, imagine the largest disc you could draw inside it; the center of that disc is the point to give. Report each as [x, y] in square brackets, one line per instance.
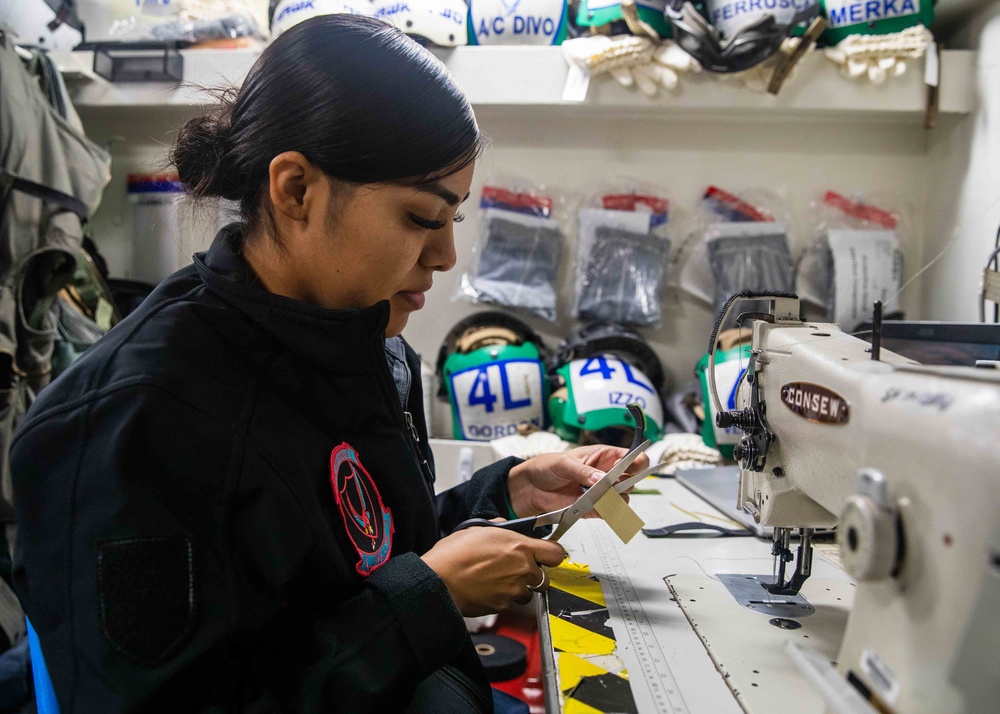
[366, 518]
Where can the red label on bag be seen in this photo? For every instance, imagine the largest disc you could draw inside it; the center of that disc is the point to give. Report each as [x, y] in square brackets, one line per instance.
[736, 204]
[501, 197]
[629, 202]
[860, 211]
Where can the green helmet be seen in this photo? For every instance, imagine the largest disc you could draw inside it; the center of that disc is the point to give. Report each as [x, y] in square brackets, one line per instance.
[491, 370]
[601, 369]
[596, 13]
[878, 17]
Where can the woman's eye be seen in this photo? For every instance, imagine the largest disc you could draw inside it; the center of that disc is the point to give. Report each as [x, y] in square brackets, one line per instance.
[428, 223]
[459, 217]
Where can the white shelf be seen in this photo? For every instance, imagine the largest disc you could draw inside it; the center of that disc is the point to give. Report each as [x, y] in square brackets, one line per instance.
[523, 78]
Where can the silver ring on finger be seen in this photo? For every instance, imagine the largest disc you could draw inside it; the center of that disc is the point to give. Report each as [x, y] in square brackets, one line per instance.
[541, 583]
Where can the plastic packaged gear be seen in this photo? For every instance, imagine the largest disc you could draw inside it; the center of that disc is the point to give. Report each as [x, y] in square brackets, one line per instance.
[515, 259]
[440, 22]
[622, 258]
[528, 22]
[600, 369]
[491, 370]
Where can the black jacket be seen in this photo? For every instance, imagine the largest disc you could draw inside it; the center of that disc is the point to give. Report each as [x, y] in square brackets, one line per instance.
[221, 508]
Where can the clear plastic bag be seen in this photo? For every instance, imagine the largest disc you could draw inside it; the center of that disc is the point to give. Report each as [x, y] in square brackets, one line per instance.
[855, 259]
[515, 259]
[622, 256]
[742, 243]
[189, 21]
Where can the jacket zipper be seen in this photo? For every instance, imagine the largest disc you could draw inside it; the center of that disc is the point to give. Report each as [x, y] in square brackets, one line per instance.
[412, 438]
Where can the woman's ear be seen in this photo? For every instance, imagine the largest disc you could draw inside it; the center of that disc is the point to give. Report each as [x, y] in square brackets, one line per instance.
[293, 183]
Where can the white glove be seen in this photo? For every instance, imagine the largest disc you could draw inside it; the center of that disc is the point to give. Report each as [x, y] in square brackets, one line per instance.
[879, 57]
[631, 60]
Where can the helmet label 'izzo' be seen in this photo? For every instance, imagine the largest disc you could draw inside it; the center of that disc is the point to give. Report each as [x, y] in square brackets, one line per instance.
[815, 403]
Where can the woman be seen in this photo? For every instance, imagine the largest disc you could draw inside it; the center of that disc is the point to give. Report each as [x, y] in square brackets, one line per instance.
[223, 505]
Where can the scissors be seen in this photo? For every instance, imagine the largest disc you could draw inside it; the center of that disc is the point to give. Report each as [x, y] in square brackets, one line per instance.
[564, 518]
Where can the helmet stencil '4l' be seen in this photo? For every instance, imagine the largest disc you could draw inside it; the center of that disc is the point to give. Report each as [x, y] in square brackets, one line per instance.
[491, 369]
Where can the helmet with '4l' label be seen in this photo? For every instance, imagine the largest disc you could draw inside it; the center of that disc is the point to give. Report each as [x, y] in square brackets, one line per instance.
[492, 371]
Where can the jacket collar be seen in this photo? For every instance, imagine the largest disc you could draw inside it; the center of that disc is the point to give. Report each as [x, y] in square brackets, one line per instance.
[326, 338]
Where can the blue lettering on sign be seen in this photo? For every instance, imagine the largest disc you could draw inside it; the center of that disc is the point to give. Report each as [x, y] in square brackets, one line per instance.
[480, 392]
[602, 368]
[289, 9]
[392, 10]
[532, 25]
[733, 10]
[494, 431]
[865, 11]
[449, 14]
[625, 398]
[631, 378]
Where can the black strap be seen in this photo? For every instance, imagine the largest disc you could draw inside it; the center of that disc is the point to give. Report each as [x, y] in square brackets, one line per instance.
[692, 528]
[51, 195]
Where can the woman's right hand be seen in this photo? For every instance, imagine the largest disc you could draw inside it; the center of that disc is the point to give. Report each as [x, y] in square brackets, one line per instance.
[486, 569]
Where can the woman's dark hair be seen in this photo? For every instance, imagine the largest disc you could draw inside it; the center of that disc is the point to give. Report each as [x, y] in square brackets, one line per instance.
[357, 97]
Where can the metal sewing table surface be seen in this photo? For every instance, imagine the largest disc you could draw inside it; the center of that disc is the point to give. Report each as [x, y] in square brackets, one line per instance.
[684, 642]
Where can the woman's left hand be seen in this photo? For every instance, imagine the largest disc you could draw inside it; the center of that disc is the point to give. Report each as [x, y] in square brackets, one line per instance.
[552, 481]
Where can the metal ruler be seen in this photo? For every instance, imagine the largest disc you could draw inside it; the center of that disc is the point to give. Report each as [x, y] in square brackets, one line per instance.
[656, 674]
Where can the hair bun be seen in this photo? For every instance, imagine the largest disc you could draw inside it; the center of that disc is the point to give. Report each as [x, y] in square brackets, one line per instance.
[199, 154]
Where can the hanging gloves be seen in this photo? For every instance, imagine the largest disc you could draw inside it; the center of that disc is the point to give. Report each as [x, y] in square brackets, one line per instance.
[631, 60]
[879, 56]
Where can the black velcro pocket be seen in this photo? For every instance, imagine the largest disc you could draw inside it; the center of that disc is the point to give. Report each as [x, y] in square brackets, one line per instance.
[147, 597]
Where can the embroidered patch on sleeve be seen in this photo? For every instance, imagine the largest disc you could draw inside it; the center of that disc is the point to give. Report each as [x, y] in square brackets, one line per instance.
[367, 520]
[146, 588]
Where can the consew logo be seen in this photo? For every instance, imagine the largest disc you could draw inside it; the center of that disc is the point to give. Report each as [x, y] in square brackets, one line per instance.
[296, 7]
[854, 12]
[367, 520]
[815, 403]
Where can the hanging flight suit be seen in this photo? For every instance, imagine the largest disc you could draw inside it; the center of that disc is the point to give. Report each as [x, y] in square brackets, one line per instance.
[51, 180]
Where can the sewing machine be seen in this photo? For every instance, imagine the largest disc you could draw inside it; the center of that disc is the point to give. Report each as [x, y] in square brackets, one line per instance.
[904, 460]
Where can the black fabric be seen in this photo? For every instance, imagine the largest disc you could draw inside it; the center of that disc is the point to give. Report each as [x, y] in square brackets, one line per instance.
[482, 496]
[139, 576]
[213, 413]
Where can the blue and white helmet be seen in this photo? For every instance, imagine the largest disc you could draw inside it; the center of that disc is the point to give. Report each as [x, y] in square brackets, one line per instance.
[440, 22]
[517, 22]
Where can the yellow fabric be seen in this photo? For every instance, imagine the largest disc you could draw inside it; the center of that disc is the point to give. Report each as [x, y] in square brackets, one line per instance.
[619, 515]
[567, 637]
[575, 579]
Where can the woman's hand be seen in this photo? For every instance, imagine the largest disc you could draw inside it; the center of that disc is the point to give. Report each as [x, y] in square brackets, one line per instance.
[552, 481]
[486, 569]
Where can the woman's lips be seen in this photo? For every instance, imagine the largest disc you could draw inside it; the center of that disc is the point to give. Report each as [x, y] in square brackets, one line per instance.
[414, 299]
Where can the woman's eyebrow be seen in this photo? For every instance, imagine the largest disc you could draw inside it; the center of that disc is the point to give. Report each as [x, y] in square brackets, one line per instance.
[437, 189]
